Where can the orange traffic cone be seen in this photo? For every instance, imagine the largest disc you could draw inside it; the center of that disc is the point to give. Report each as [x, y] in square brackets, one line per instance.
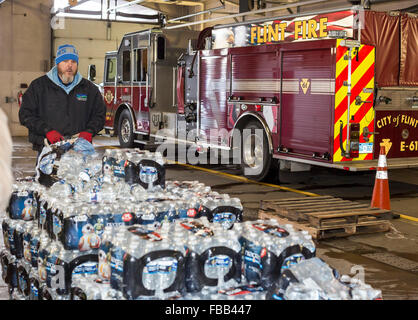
[380, 198]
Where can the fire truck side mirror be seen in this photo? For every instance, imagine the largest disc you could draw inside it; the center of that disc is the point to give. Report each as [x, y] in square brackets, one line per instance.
[92, 72]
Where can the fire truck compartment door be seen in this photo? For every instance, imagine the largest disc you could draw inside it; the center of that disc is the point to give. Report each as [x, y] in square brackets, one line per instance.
[308, 89]
[398, 132]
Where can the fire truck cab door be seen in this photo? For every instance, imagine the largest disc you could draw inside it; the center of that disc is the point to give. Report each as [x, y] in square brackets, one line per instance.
[109, 90]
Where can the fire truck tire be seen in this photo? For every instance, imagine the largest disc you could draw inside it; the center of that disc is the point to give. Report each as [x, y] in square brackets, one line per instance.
[256, 158]
[125, 130]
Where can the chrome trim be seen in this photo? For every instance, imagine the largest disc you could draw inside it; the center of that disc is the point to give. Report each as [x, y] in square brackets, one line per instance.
[263, 103]
[174, 86]
[140, 141]
[263, 123]
[129, 107]
[139, 132]
[198, 94]
[203, 144]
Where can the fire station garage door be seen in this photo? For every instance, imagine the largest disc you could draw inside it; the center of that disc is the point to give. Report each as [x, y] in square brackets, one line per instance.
[307, 100]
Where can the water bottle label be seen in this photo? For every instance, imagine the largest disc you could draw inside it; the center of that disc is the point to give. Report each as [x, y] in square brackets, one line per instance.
[252, 260]
[277, 297]
[161, 267]
[220, 261]
[34, 247]
[253, 257]
[113, 167]
[119, 169]
[95, 196]
[42, 266]
[145, 234]
[183, 213]
[148, 218]
[84, 232]
[127, 217]
[11, 240]
[292, 260]
[34, 291]
[104, 265]
[51, 269]
[27, 248]
[86, 268]
[4, 266]
[42, 214]
[107, 167]
[241, 290]
[116, 265]
[191, 213]
[23, 206]
[197, 228]
[148, 174]
[23, 283]
[56, 225]
[271, 230]
[226, 219]
[5, 227]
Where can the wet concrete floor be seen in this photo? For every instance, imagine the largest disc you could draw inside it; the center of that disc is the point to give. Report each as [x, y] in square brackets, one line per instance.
[387, 261]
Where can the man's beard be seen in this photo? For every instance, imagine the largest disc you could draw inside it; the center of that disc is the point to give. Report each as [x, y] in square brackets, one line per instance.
[66, 79]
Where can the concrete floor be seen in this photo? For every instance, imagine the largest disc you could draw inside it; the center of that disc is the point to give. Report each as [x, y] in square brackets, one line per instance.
[388, 261]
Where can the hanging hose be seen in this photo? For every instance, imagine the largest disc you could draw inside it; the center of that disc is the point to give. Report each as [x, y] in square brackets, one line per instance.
[343, 152]
[207, 32]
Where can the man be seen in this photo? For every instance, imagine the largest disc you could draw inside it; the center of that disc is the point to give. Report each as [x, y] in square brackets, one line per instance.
[62, 103]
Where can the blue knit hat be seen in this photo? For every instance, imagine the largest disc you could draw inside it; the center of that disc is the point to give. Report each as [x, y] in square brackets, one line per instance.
[66, 52]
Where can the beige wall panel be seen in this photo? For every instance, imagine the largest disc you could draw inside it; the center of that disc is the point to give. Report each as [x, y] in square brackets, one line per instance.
[25, 51]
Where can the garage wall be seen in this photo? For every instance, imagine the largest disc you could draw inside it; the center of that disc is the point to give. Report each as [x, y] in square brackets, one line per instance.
[92, 40]
[25, 39]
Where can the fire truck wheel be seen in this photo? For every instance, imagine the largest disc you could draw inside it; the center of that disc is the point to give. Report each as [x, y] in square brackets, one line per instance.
[125, 130]
[256, 157]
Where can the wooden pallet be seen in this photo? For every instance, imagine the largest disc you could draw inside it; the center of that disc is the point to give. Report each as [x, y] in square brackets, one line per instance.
[326, 216]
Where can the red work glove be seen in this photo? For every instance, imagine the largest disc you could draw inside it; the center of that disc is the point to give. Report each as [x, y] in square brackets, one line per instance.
[86, 135]
[54, 136]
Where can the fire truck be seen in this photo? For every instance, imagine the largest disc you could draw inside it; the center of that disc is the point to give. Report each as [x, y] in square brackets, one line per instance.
[320, 89]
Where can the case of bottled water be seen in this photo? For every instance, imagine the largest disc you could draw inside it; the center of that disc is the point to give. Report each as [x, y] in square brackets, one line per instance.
[23, 204]
[87, 287]
[134, 166]
[213, 254]
[9, 269]
[79, 226]
[62, 265]
[313, 279]
[269, 248]
[146, 263]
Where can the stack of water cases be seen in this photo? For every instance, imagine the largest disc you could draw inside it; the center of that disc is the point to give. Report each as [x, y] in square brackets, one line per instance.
[113, 228]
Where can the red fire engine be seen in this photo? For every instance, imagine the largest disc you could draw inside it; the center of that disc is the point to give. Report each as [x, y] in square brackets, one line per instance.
[323, 89]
